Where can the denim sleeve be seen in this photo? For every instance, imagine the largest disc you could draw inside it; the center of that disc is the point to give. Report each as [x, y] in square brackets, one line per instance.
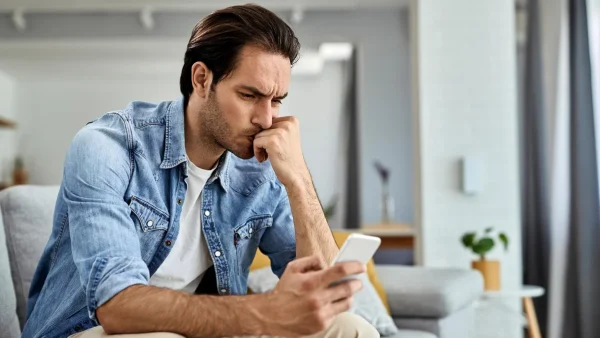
[104, 242]
[279, 241]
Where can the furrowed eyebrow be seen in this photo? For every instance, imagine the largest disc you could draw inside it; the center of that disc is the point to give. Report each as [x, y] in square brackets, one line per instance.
[257, 92]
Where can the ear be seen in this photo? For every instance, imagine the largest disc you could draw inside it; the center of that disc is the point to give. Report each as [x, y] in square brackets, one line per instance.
[201, 79]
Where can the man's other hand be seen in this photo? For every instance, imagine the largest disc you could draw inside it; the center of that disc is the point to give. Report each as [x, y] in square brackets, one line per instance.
[281, 144]
[304, 302]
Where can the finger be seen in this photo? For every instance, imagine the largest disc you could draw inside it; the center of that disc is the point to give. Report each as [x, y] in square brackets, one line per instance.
[285, 119]
[266, 146]
[306, 264]
[260, 149]
[343, 290]
[341, 270]
[286, 125]
[341, 306]
[267, 133]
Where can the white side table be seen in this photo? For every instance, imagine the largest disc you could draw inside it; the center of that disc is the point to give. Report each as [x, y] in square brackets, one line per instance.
[526, 293]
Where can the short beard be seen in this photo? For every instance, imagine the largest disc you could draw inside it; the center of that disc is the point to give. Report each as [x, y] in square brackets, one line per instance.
[218, 133]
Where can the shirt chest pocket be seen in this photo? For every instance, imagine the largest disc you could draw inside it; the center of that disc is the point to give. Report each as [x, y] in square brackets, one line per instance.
[151, 225]
[247, 239]
[149, 217]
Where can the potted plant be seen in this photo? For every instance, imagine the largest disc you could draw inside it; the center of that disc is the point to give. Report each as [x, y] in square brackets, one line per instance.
[481, 246]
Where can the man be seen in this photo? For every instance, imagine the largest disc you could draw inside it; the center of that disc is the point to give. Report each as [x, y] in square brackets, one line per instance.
[163, 207]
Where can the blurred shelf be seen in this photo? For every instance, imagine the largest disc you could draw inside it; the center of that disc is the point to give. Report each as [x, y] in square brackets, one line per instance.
[388, 230]
[393, 235]
[6, 123]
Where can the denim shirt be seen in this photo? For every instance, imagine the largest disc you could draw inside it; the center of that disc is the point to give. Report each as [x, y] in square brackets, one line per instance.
[117, 217]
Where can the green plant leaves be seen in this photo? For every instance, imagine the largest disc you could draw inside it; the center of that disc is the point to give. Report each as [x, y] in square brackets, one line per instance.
[504, 240]
[468, 239]
[483, 246]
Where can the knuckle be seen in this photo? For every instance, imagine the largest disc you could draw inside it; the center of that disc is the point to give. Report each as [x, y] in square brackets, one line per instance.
[348, 303]
[291, 267]
[314, 259]
[343, 269]
[348, 291]
[289, 125]
[314, 303]
[307, 284]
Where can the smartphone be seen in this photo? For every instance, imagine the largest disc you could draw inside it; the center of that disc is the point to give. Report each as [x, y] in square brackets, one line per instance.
[357, 247]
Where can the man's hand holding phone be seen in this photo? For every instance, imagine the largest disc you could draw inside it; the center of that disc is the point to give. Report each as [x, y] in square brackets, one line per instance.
[304, 302]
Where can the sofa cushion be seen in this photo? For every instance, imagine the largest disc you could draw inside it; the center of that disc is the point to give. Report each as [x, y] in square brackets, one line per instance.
[429, 292]
[457, 324]
[27, 213]
[9, 322]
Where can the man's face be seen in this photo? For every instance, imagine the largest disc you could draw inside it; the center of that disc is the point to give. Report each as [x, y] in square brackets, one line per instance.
[245, 102]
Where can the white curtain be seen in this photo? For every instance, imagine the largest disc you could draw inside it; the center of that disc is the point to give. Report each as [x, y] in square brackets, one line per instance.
[594, 33]
[554, 18]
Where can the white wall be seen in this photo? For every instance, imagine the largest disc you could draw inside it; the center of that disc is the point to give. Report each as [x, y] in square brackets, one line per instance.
[52, 109]
[465, 104]
[7, 136]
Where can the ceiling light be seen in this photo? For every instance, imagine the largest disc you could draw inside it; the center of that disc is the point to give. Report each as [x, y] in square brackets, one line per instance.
[335, 51]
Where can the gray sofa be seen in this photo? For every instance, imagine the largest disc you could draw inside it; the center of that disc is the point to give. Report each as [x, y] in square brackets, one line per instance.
[425, 302]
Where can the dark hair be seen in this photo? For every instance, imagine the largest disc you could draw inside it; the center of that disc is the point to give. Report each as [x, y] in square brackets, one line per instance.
[218, 39]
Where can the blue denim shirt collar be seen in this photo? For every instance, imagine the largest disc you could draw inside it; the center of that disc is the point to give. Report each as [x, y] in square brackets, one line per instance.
[175, 154]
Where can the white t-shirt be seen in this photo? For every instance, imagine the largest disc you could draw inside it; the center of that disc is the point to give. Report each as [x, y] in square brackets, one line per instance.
[189, 258]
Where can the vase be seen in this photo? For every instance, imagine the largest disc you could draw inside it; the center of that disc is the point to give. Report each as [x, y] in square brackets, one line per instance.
[20, 176]
[490, 270]
[387, 206]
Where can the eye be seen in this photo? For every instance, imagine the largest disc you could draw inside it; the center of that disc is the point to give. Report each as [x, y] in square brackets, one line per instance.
[247, 96]
[276, 102]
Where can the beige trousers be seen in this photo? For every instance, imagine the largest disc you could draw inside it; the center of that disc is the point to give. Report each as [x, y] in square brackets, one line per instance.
[346, 325]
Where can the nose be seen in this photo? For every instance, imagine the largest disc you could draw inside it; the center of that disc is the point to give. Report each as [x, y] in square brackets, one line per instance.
[263, 116]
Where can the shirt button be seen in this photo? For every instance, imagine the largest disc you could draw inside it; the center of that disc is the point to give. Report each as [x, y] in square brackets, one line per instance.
[223, 290]
[218, 253]
[179, 201]
[149, 223]
[250, 230]
[207, 213]
[168, 243]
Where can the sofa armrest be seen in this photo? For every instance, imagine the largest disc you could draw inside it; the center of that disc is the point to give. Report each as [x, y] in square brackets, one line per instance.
[418, 292]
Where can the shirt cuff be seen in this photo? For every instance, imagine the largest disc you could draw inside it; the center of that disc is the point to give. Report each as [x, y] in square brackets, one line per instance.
[111, 275]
